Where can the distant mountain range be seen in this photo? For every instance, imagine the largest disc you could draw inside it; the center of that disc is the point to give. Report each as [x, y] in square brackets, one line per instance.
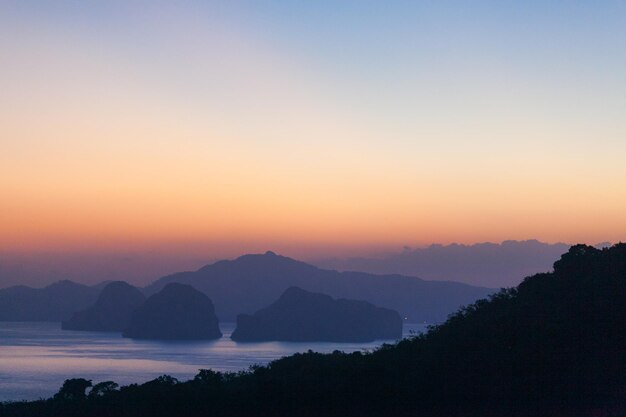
[552, 346]
[56, 302]
[493, 265]
[252, 282]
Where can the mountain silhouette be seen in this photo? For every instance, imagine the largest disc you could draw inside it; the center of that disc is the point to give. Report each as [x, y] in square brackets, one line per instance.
[177, 312]
[487, 264]
[552, 346]
[300, 316]
[251, 282]
[56, 302]
[111, 312]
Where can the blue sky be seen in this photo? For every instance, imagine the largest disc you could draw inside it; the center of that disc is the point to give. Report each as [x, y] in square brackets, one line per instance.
[311, 124]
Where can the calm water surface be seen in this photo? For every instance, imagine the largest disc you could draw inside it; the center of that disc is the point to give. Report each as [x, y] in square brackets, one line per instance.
[35, 358]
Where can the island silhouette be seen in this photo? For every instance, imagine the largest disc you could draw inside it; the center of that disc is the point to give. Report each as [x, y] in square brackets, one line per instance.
[301, 316]
[177, 312]
[112, 311]
[251, 282]
[553, 346]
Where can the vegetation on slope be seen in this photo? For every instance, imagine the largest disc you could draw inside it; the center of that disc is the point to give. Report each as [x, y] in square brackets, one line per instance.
[553, 346]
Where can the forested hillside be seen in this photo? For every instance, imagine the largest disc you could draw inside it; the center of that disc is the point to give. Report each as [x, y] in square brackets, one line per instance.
[553, 346]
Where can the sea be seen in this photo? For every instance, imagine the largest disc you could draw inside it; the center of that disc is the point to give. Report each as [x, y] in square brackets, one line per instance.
[36, 357]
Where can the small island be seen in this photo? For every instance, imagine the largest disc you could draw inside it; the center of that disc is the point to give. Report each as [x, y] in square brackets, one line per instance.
[111, 312]
[303, 316]
[177, 312]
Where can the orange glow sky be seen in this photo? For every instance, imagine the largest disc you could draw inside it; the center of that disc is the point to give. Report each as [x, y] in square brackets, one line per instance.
[321, 131]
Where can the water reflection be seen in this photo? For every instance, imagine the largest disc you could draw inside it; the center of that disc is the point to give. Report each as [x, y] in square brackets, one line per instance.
[35, 358]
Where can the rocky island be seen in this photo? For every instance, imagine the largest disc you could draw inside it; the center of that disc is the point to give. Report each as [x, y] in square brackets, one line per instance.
[111, 312]
[300, 316]
[177, 312]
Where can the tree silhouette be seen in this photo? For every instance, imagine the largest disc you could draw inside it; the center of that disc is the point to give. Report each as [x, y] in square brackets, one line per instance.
[553, 346]
[208, 377]
[73, 389]
[103, 388]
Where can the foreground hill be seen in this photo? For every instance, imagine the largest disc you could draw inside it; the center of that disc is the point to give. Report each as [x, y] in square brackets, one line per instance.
[177, 312]
[251, 282]
[553, 346]
[300, 316]
[55, 302]
[111, 312]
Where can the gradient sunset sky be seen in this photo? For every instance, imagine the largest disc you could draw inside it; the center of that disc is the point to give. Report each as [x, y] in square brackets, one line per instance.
[324, 127]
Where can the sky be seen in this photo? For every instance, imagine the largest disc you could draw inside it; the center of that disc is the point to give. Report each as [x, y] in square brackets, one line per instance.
[325, 128]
